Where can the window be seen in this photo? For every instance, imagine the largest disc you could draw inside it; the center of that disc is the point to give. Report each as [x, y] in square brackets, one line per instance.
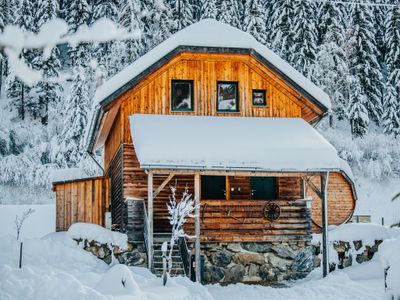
[213, 187]
[227, 96]
[259, 98]
[182, 95]
[263, 188]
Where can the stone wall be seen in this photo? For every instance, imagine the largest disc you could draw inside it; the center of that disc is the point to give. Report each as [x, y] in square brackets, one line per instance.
[347, 254]
[268, 263]
[135, 255]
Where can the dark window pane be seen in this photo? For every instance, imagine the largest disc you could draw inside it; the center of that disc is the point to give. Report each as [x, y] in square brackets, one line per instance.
[182, 95]
[213, 187]
[263, 188]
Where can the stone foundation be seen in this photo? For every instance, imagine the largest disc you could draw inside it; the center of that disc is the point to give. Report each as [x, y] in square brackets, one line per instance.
[268, 263]
[135, 255]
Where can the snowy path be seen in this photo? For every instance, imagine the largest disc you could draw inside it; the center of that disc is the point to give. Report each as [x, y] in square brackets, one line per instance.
[55, 268]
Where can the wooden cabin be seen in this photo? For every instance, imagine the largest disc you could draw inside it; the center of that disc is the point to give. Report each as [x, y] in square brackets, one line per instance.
[213, 110]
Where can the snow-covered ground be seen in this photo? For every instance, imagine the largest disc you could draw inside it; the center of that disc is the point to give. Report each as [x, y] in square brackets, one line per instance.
[54, 267]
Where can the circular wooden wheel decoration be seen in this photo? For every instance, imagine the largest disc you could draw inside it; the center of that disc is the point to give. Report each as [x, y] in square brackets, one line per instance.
[272, 211]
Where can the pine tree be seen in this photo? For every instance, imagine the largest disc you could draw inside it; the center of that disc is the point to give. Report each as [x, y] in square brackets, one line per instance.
[332, 71]
[77, 13]
[130, 17]
[209, 9]
[183, 12]
[363, 61]
[391, 114]
[105, 9]
[254, 20]
[357, 111]
[230, 13]
[281, 34]
[76, 114]
[47, 10]
[158, 22]
[303, 50]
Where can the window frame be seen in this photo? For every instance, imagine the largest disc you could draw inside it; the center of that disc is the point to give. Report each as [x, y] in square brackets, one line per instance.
[236, 83]
[264, 92]
[188, 81]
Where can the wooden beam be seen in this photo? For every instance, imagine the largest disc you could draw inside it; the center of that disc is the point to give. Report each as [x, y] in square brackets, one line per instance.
[312, 186]
[162, 185]
[197, 225]
[325, 238]
[150, 220]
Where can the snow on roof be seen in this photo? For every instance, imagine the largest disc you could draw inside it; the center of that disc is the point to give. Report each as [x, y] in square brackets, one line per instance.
[208, 33]
[58, 175]
[232, 143]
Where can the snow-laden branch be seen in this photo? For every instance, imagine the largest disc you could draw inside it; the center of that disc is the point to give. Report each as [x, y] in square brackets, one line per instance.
[13, 40]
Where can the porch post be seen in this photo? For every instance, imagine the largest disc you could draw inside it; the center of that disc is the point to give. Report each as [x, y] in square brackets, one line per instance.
[325, 238]
[197, 225]
[150, 219]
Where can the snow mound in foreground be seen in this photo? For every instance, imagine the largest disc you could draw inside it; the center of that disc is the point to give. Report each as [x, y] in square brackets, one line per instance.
[93, 232]
[390, 258]
[118, 281]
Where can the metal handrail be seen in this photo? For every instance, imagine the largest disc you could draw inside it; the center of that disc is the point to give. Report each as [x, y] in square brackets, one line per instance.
[185, 255]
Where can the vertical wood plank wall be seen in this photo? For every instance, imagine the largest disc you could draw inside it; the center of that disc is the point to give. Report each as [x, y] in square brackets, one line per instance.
[152, 94]
[84, 200]
[341, 201]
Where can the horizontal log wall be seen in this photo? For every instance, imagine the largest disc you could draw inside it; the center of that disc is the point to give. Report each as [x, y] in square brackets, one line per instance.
[85, 200]
[294, 223]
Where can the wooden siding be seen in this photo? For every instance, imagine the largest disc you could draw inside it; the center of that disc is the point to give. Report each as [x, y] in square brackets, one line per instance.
[113, 141]
[152, 95]
[341, 202]
[216, 226]
[84, 200]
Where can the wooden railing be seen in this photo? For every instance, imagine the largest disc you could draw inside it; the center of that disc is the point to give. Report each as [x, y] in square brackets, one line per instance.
[185, 254]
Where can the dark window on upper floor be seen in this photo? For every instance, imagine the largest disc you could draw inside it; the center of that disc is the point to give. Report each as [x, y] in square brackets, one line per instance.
[182, 95]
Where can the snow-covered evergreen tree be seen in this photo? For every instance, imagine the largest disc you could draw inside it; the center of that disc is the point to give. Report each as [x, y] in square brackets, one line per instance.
[332, 71]
[130, 16]
[183, 12]
[76, 114]
[159, 23]
[209, 9]
[357, 111]
[303, 50]
[391, 104]
[230, 13]
[76, 13]
[281, 34]
[254, 20]
[363, 62]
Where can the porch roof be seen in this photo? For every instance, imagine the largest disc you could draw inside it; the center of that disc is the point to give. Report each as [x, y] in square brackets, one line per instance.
[233, 144]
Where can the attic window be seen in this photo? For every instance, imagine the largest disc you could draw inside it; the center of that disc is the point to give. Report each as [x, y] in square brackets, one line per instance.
[182, 95]
[227, 96]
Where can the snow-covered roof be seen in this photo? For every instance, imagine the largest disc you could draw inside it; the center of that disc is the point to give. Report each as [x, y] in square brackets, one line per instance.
[208, 33]
[232, 143]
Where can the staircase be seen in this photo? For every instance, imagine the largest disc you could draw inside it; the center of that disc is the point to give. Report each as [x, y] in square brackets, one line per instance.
[177, 264]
